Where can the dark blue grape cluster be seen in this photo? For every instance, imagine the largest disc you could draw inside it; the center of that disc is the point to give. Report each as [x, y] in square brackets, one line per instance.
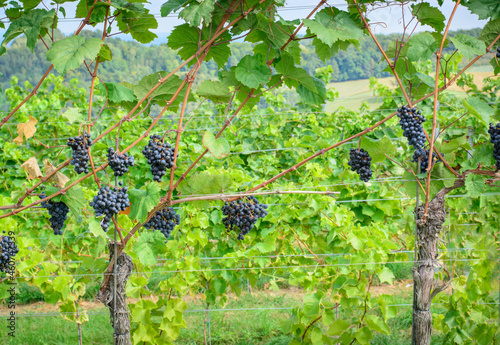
[411, 121]
[243, 214]
[8, 249]
[165, 221]
[422, 155]
[160, 156]
[119, 163]
[494, 132]
[498, 52]
[58, 212]
[109, 202]
[360, 162]
[80, 158]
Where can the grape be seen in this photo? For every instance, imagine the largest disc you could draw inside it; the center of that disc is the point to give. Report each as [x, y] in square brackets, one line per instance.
[498, 52]
[423, 156]
[119, 163]
[160, 156]
[8, 249]
[58, 212]
[109, 202]
[243, 214]
[80, 146]
[411, 121]
[360, 162]
[164, 220]
[494, 132]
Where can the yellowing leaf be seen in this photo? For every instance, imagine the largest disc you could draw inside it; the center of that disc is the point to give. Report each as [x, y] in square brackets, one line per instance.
[58, 177]
[32, 168]
[27, 129]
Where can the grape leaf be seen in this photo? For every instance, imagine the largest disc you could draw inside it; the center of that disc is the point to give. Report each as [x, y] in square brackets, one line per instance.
[198, 11]
[496, 66]
[96, 229]
[252, 72]
[422, 46]
[185, 38]
[75, 200]
[148, 246]
[138, 25]
[429, 15]
[485, 9]
[308, 96]
[70, 52]
[32, 168]
[330, 29]
[30, 24]
[143, 200]
[475, 186]
[117, 93]
[215, 91]
[26, 129]
[468, 46]
[338, 327]
[386, 275]
[490, 31]
[294, 76]
[73, 115]
[479, 108]
[105, 53]
[171, 6]
[219, 148]
[164, 92]
[378, 148]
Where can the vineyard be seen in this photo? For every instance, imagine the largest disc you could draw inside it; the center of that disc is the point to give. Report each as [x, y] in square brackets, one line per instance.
[249, 207]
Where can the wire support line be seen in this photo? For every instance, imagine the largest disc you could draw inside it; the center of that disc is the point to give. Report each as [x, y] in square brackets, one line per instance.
[242, 268]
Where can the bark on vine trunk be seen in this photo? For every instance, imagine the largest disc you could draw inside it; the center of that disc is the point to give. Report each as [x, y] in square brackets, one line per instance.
[426, 287]
[125, 267]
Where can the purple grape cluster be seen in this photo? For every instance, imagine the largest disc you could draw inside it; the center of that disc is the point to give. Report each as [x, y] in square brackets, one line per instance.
[109, 202]
[160, 156]
[80, 158]
[165, 221]
[498, 52]
[243, 214]
[8, 249]
[411, 121]
[119, 163]
[360, 162]
[58, 212]
[494, 132]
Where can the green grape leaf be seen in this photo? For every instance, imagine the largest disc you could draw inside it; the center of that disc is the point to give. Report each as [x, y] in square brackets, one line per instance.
[309, 96]
[496, 65]
[386, 275]
[479, 108]
[338, 327]
[117, 93]
[96, 229]
[70, 52]
[490, 31]
[312, 304]
[468, 46]
[143, 200]
[388, 312]
[251, 71]
[422, 47]
[105, 53]
[485, 9]
[74, 115]
[219, 148]
[377, 324]
[171, 6]
[148, 246]
[75, 200]
[455, 144]
[429, 15]
[31, 24]
[164, 92]
[215, 91]
[475, 186]
[363, 335]
[294, 76]
[138, 25]
[378, 148]
[219, 285]
[198, 11]
[68, 310]
[185, 38]
[330, 29]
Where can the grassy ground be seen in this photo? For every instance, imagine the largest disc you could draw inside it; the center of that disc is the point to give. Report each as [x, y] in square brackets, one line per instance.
[353, 93]
[235, 327]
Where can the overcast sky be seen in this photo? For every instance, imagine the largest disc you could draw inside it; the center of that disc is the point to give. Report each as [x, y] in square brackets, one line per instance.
[390, 15]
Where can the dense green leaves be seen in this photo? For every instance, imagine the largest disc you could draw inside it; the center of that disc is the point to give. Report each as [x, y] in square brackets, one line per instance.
[70, 52]
[252, 72]
[143, 200]
[219, 148]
